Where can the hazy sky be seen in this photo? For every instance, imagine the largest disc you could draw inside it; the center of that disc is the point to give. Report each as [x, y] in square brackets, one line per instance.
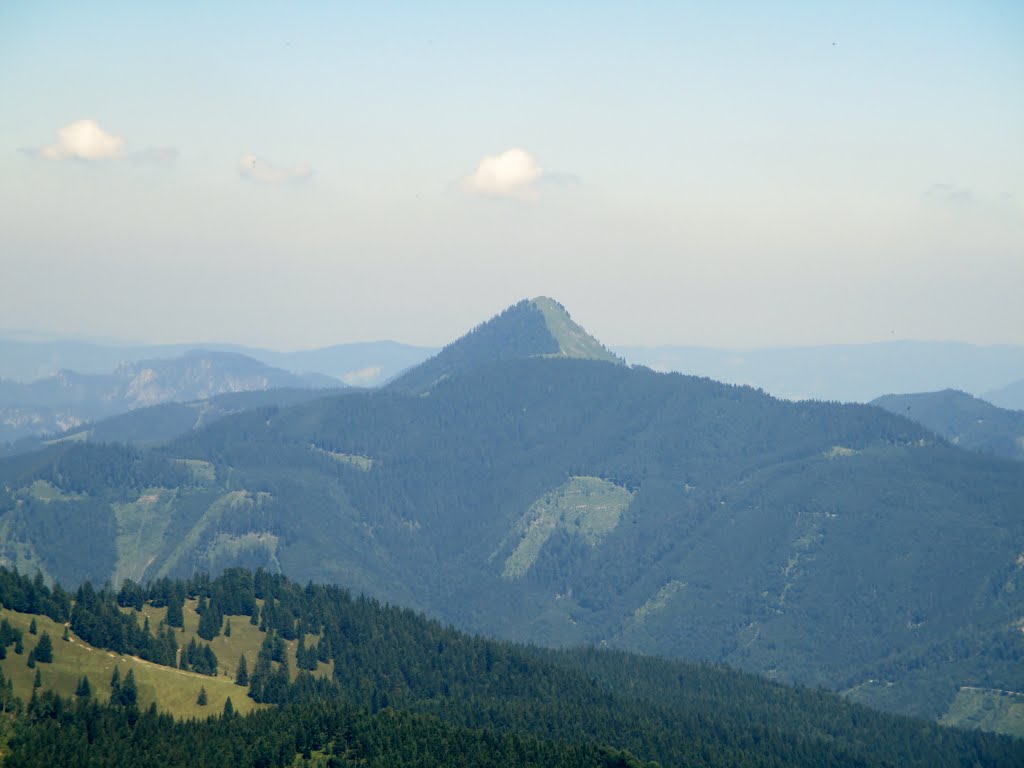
[301, 174]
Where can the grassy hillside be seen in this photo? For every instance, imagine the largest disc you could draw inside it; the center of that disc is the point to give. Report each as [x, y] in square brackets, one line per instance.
[818, 543]
[402, 689]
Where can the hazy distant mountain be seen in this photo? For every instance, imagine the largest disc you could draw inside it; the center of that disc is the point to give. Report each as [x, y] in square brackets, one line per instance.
[846, 373]
[536, 496]
[69, 399]
[358, 364]
[160, 423]
[964, 420]
[537, 328]
[1011, 396]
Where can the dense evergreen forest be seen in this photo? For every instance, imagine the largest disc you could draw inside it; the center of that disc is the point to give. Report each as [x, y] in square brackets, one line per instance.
[409, 691]
[566, 501]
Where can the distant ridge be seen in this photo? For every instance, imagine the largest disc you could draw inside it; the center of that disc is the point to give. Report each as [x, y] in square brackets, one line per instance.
[540, 327]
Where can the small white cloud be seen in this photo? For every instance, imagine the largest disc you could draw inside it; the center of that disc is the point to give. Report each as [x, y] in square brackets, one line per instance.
[84, 140]
[258, 169]
[513, 173]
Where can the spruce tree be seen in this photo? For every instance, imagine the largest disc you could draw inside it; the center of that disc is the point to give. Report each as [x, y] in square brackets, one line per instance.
[32, 628]
[84, 689]
[67, 634]
[201, 699]
[44, 649]
[229, 709]
[37, 682]
[129, 692]
[242, 673]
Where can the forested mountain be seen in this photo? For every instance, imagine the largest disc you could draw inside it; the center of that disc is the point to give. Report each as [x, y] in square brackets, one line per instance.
[68, 399]
[963, 420]
[356, 682]
[538, 497]
[537, 328]
[160, 423]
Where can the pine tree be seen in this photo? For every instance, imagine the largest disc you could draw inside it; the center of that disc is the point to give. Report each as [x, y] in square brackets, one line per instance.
[19, 646]
[201, 699]
[229, 709]
[32, 628]
[84, 689]
[115, 685]
[176, 612]
[32, 659]
[67, 634]
[129, 691]
[44, 649]
[37, 682]
[242, 673]
[227, 628]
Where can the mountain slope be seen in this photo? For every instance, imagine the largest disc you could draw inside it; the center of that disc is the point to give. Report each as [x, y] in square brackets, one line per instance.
[537, 328]
[827, 544]
[68, 399]
[964, 420]
[357, 658]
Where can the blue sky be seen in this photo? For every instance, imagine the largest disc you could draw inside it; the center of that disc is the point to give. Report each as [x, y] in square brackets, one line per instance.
[303, 174]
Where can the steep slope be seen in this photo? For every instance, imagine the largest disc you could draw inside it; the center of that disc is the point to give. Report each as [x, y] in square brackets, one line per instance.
[355, 657]
[568, 501]
[963, 420]
[537, 328]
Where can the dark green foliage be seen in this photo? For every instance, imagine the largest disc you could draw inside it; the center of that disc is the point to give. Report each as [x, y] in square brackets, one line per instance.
[229, 709]
[965, 421]
[202, 698]
[32, 628]
[210, 619]
[242, 672]
[44, 649]
[84, 689]
[123, 692]
[200, 658]
[20, 593]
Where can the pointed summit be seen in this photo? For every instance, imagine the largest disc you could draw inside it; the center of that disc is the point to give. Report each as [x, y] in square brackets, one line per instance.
[537, 328]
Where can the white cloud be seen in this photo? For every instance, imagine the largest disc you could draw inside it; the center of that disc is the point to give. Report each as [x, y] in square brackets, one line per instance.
[513, 173]
[84, 140]
[258, 169]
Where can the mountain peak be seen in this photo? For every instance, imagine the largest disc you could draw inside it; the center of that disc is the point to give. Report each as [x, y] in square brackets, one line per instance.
[540, 327]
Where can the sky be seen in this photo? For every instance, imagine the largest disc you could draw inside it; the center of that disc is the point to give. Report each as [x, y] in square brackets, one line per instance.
[294, 175]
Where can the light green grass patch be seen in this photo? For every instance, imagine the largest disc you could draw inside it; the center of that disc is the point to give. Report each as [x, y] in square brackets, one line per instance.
[141, 525]
[659, 601]
[572, 340]
[44, 490]
[987, 710]
[173, 690]
[203, 472]
[211, 516]
[584, 506]
[364, 463]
